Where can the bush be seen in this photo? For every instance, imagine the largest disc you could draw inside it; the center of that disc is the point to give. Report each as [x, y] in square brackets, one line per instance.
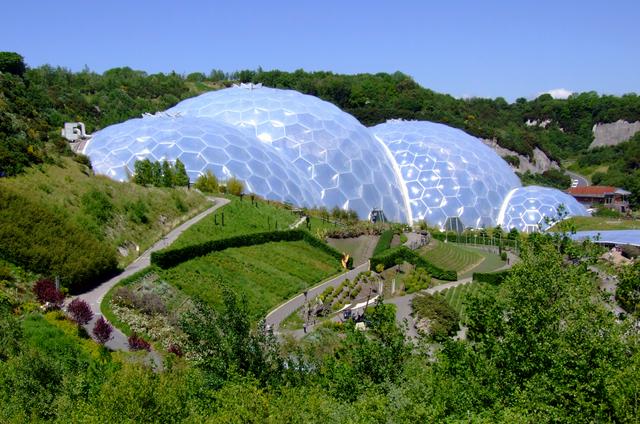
[208, 183]
[98, 205]
[235, 186]
[137, 211]
[443, 319]
[494, 278]
[384, 242]
[419, 279]
[169, 258]
[102, 330]
[607, 213]
[175, 349]
[138, 343]
[80, 311]
[503, 256]
[401, 254]
[46, 291]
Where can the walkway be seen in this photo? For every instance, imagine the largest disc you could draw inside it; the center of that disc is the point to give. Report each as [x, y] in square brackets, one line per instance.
[277, 315]
[95, 296]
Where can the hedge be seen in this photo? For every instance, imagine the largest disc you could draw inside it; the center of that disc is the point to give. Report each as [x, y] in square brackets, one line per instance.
[172, 257]
[384, 242]
[401, 254]
[494, 278]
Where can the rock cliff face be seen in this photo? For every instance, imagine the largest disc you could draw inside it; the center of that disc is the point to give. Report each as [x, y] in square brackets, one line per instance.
[537, 165]
[613, 133]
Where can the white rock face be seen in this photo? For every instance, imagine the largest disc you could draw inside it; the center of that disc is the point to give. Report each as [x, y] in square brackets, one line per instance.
[613, 133]
[537, 165]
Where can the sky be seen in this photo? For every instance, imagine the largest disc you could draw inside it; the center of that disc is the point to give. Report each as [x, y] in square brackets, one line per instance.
[479, 48]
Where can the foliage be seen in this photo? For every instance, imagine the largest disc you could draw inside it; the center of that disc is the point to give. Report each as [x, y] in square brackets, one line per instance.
[138, 343]
[234, 186]
[207, 183]
[550, 178]
[12, 63]
[102, 330]
[401, 254]
[417, 280]
[80, 311]
[33, 236]
[493, 278]
[442, 319]
[628, 291]
[156, 174]
[46, 291]
[384, 242]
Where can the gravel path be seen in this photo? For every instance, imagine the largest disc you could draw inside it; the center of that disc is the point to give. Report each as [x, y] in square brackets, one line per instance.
[95, 296]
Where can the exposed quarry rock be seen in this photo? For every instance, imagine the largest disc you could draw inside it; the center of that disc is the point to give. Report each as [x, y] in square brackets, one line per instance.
[536, 165]
[613, 133]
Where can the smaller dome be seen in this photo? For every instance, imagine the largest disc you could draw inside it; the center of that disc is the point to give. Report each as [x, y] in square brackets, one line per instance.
[202, 145]
[533, 208]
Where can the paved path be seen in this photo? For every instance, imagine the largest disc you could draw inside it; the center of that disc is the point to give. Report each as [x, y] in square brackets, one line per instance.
[277, 315]
[95, 296]
[581, 181]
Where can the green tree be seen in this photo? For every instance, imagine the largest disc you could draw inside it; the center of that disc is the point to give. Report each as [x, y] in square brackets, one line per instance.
[207, 183]
[167, 174]
[235, 186]
[12, 63]
[181, 176]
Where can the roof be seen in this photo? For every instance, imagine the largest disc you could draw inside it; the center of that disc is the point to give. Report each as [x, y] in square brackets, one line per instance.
[617, 237]
[594, 191]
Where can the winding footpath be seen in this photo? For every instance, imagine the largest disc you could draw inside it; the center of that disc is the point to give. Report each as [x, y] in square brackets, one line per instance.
[94, 297]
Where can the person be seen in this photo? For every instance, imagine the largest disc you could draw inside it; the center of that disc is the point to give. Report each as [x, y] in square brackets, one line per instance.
[304, 327]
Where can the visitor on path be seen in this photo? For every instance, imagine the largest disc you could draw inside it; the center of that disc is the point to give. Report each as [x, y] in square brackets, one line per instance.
[304, 327]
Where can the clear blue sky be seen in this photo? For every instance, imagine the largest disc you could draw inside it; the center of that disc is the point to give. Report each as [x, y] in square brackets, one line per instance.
[477, 47]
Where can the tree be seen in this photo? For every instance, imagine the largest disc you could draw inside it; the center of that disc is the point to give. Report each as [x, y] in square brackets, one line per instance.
[207, 183]
[143, 172]
[167, 174]
[80, 311]
[102, 330]
[235, 186]
[181, 177]
[628, 291]
[12, 63]
[46, 291]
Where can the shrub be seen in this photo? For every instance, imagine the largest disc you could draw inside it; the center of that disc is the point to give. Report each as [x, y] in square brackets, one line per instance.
[46, 291]
[137, 211]
[443, 319]
[607, 213]
[80, 311]
[98, 204]
[503, 256]
[235, 186]
[493, 278]
[138, 343]
[208, 183]
[175, 349]
[384, 242]
[419, 279]
[102, 330]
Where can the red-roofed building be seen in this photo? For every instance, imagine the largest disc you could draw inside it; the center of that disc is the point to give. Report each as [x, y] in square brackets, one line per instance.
[607, 196]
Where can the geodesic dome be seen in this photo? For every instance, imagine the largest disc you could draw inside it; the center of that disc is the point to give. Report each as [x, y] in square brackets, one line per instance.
[201, 144]
[449, 177]
[526, 208]
[339, 157]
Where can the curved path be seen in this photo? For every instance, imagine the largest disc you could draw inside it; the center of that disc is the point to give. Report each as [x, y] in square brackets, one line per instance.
[579, 180]
[95, 296]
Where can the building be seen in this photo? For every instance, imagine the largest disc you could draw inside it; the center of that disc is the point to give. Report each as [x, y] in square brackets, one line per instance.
[598, 196]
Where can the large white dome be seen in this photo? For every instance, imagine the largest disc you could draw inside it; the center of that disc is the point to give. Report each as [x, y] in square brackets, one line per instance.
[342, 161]
[528, 208]
[201, 144]
[447, 173]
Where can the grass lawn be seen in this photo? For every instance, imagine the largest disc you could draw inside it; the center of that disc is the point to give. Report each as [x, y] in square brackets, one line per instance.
[120, 214]
[359, 248]
[240, 217]
[266, 274]
[455, 297]
[450, 255]
[583, 223]
[490, 263]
